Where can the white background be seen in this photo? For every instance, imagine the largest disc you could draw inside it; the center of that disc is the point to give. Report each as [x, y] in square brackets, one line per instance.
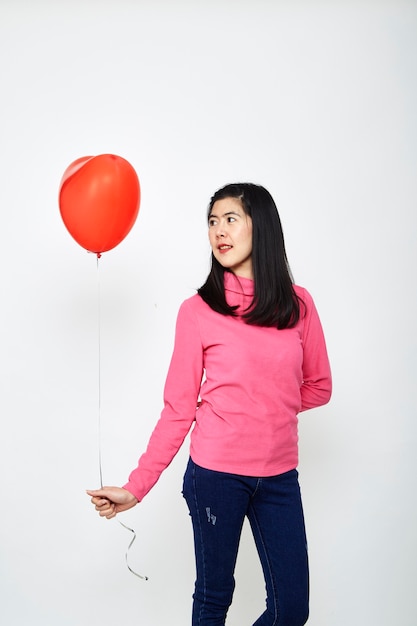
[315, 100]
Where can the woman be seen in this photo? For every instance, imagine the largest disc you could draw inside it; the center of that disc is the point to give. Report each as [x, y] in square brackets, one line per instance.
[250, 354]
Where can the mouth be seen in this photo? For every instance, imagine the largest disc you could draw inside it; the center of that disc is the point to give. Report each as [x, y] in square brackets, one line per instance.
[224, 247]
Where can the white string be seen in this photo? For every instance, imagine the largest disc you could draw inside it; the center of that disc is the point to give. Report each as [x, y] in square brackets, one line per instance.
[99, 371]
[127, 552]
[99, 421]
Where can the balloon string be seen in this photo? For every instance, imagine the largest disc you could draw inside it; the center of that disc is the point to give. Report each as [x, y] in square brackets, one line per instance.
[99, 371]
[99, 421]
[127, 552]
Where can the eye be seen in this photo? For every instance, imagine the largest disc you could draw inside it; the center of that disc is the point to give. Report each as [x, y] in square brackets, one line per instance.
[212, 222]
[231, 219]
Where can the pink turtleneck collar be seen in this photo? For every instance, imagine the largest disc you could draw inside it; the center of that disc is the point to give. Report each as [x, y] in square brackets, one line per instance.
[238, 284]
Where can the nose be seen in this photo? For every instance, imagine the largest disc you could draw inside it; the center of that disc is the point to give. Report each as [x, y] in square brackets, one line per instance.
[220, 231]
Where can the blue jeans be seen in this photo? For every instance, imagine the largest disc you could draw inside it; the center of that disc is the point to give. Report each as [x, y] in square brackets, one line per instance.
[218, 503]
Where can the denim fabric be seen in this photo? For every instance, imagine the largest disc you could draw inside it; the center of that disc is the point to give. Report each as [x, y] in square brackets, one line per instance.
[218, 503]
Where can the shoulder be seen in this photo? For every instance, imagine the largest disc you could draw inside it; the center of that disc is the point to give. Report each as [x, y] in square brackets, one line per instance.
[306, 300]
[193, 303]
[193, 307]
[195, 318]
[302, 293]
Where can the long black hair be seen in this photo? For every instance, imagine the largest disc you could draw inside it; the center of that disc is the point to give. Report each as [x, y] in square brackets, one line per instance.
[275, 302]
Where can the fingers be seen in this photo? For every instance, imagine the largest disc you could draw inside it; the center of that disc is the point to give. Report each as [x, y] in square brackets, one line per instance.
[101, 504]
[98, 502]
[108, 513]
[104, 507]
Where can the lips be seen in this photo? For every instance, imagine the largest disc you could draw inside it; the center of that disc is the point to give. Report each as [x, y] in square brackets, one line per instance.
[224, 247]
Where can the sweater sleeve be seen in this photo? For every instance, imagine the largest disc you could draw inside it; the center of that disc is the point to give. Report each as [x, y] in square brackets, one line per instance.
[181, 392]
[316, 388]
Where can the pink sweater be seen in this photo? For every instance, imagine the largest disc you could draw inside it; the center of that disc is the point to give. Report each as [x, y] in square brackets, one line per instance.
[255, 382]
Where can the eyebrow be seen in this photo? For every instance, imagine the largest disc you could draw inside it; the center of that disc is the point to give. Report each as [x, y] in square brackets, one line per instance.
[224, 214]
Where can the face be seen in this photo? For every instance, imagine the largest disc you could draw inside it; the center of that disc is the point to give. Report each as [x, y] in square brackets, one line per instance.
[230, 234]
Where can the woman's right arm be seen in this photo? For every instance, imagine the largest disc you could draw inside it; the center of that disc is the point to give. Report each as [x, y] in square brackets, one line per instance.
[181, 391]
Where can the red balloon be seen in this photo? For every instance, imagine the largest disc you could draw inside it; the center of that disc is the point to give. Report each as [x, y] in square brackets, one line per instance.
[99, 199]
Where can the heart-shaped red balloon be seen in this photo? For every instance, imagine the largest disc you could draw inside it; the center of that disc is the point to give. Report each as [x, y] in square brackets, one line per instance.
[99, 199]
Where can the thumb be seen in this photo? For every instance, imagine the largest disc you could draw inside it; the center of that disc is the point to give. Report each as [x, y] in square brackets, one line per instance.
[96, 492]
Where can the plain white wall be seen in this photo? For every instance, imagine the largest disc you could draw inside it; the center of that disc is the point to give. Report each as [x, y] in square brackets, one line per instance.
[315, 100]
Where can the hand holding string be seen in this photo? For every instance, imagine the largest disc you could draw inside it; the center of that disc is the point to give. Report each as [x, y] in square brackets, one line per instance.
[109, 501]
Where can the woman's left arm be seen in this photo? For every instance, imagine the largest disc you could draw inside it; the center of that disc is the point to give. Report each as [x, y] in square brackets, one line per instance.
[316, 388]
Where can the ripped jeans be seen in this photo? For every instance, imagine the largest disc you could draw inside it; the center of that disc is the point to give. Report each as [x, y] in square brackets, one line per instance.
[218, 503]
